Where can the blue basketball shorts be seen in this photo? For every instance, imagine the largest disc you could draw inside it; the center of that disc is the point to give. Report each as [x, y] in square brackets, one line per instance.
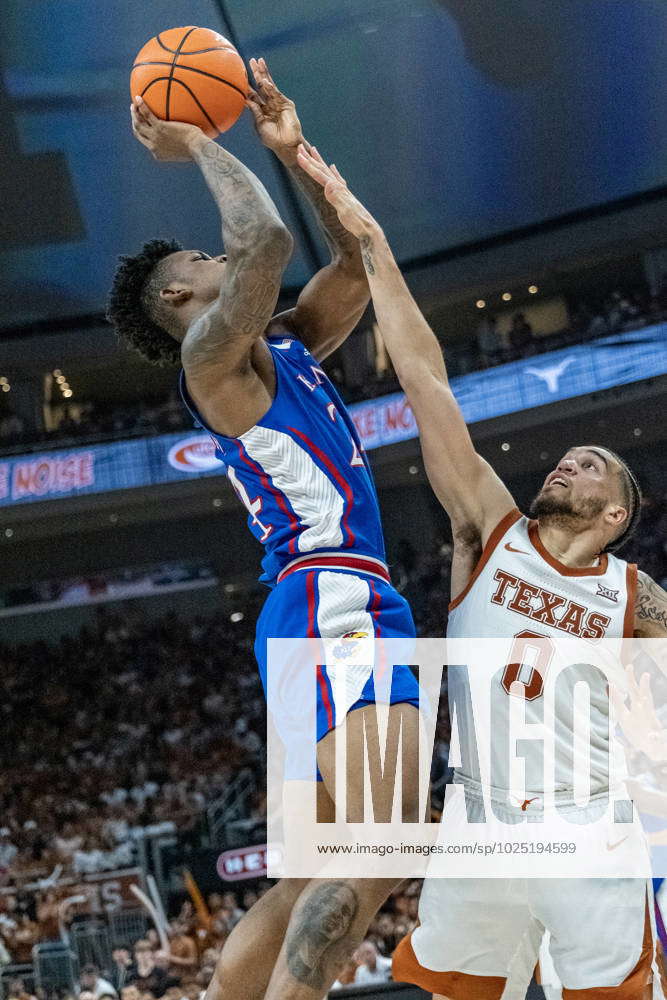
[333, 604]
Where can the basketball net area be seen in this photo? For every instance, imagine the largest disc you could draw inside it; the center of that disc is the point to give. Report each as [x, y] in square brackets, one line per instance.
[558, 746]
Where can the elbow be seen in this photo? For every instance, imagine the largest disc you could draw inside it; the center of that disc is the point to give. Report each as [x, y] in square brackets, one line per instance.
[350, 265]
[277, 240]
[417, 375]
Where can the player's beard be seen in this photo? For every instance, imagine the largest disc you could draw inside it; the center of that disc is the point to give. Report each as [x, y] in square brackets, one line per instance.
[561, 509]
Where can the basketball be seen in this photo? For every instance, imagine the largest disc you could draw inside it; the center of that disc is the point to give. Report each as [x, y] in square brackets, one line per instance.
[191, 75]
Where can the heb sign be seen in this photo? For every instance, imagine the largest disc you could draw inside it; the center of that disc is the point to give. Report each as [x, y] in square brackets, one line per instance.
[47, 475]
[384, 421]
[195, 454]
[244, 862]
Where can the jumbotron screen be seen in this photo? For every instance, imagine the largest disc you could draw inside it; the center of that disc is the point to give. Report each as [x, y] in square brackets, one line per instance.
[453, 120]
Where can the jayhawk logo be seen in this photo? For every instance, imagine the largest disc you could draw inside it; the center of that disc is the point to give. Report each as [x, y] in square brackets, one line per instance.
[348, 644]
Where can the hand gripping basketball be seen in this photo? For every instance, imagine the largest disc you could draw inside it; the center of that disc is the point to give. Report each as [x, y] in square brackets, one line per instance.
[191, 75]
[352, 214]
[169, 142]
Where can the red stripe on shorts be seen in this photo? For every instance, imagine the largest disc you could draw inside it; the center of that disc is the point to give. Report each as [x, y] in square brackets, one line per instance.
[312, 634]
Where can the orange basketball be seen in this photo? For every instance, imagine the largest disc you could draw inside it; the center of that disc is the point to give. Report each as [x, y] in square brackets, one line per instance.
[191, 75]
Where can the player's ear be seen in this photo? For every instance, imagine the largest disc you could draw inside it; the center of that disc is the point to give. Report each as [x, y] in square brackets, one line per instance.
[175, 294]
[617, 514]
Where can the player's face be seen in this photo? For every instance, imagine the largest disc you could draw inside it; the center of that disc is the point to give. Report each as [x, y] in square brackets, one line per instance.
[204, 274]
[584, 484]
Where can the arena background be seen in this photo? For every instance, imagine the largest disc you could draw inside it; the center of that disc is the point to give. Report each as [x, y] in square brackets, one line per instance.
[516, 153]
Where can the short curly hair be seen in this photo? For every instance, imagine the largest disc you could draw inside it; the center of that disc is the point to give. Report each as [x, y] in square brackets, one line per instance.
[134, 306]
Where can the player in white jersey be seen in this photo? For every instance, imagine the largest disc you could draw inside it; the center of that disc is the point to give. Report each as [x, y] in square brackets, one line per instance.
[552, 575]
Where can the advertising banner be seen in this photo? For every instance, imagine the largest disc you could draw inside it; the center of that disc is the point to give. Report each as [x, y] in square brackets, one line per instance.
[537, 381]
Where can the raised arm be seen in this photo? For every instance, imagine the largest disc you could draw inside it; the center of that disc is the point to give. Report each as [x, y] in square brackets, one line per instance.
[467, 487]
[258, 247]
[219, 342]
[334, 300]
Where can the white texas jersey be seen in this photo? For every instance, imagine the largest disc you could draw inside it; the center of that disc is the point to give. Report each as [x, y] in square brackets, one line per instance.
[519, 591]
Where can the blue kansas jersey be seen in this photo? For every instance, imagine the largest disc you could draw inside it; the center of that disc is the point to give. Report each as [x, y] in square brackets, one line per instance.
[301, 471]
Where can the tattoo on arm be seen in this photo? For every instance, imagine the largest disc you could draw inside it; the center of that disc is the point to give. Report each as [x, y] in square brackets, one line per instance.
[367, 253]
[241, 312]
[650, 608]
[258, 247]
[320, 941]
[245, 204]
[340, 242]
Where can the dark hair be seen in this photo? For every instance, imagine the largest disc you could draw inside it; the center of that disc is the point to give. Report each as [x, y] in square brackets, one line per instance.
[135, 299]
[632, 500]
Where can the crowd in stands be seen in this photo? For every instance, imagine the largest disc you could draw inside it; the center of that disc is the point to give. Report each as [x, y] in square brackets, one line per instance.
[134, 726]
[144, 969]
[97, 422]
[620, 310]
[128, 726]
[133, 723]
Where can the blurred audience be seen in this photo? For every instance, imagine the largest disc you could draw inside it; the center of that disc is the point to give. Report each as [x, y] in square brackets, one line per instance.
[125, 731]
[94, 421]
[92, 982]
[490, 342]
[133, 727]
[521, 340]
[123, 967]
[372, 967]
[154, 974]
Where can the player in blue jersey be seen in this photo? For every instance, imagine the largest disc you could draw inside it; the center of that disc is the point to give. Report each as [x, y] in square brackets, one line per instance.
[293, 456]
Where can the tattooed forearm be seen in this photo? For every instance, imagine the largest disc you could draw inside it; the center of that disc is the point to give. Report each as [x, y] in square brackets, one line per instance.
[367, 253]
[258, 248]
[243, 308]
[340, 242]
[320, 942]
[245, 204]
[650, 608]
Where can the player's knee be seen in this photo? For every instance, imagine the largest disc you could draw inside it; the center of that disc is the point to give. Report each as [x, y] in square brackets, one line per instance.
[291, 886]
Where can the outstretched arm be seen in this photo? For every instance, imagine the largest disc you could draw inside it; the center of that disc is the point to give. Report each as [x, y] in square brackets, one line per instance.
[217, 346]
[468, 488]
[333, 301]
[650, 609]
[258, 247]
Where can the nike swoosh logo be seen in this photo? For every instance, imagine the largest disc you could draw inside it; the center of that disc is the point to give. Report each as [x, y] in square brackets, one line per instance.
[510, 548]
[612, 847]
